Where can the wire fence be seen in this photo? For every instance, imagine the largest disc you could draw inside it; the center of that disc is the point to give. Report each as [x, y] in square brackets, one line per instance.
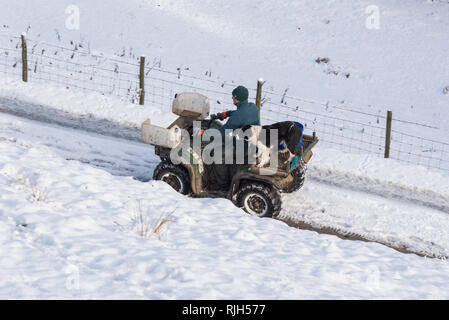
[340, 127]
[10, 56]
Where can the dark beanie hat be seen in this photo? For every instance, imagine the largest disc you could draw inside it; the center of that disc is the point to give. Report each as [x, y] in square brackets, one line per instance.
[240, 93]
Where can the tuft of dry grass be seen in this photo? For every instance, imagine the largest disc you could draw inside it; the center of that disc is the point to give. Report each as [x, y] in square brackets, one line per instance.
[146, 225]
[37, 193]
[160, 223]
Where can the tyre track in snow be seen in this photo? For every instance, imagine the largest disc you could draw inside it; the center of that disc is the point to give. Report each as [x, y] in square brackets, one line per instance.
[432, 250]
[44, 114]
[353, 214]
[50, 115]
[346, 180]
[125, 163]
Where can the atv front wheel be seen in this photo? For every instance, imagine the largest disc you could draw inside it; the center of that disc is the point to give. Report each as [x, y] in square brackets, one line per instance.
[259, 199]
[175, 175]
[299, 177]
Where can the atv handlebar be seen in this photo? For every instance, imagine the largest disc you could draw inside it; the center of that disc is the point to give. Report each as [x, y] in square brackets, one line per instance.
[220, 115]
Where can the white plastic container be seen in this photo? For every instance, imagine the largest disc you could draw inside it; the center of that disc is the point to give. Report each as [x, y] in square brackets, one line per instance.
[191, 104]
[159, 136]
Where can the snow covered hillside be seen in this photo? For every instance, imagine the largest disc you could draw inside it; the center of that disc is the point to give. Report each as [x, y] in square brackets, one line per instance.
[401, 66]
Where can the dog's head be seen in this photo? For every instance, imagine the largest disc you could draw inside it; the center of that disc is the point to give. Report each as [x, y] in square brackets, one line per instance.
[249, 133]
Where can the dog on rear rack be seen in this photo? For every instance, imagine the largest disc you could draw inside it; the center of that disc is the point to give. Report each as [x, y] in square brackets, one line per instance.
[289, 133]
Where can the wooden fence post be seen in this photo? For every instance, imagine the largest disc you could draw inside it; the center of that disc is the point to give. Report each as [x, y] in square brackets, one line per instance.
[259, 95]
[24, 58]
[142, 81]
[388, 134]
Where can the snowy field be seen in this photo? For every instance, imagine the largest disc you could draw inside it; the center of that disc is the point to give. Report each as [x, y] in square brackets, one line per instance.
[81, 218]
[73, 230]
[72, 216]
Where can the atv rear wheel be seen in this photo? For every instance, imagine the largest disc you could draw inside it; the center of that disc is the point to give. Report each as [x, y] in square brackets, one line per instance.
[174, 175]
[299, 177]
[259, 199]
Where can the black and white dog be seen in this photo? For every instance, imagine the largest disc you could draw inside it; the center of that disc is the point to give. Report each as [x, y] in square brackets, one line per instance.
[288, 133]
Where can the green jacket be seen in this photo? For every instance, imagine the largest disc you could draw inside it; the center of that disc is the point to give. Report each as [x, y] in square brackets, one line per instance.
[246, 114]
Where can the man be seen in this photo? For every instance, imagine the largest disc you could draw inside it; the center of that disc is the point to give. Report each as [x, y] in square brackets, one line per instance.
[247, 113]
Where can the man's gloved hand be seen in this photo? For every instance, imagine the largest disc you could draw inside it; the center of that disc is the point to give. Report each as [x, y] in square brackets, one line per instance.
[220, 116]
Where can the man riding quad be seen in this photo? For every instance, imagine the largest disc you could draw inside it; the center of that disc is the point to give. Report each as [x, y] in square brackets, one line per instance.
[189, 169]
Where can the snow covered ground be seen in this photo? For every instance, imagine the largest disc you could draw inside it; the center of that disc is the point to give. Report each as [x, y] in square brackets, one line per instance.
[71, 229]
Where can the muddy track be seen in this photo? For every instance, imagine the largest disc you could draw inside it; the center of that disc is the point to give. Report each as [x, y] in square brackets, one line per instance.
[403, 248]
[95, 125]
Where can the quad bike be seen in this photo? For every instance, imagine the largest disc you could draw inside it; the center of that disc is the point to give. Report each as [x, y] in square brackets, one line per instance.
[256, 193]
